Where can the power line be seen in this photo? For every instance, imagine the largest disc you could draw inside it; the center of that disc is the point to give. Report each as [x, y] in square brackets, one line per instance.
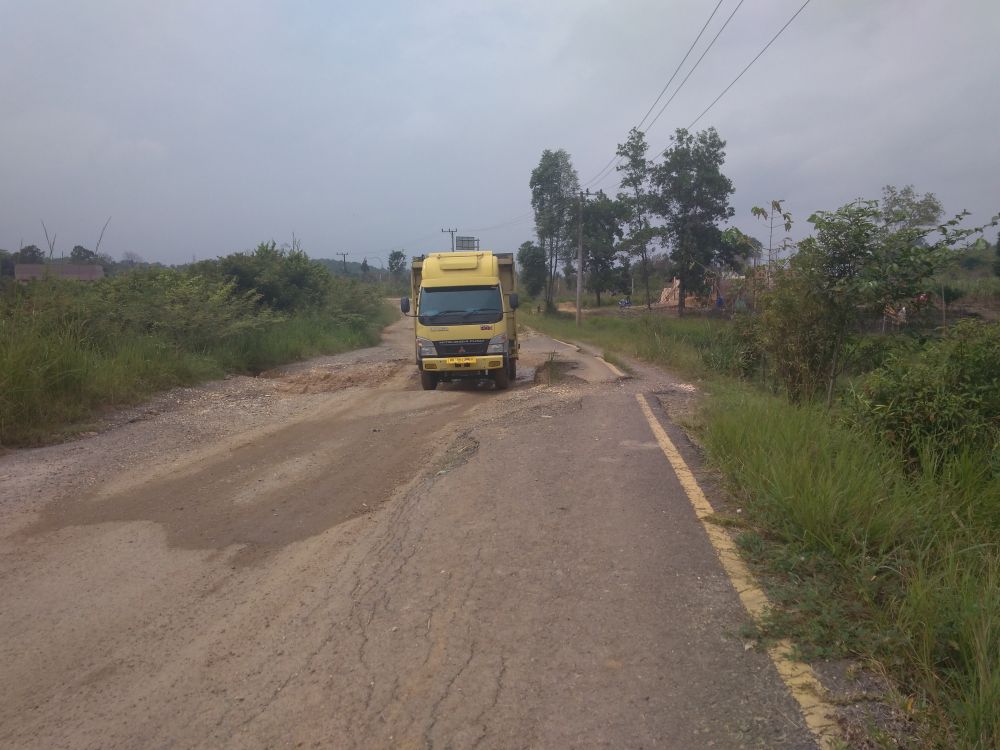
[602, 174]
[681, 64]
[606, 168]
[695, 67]
[714, 101]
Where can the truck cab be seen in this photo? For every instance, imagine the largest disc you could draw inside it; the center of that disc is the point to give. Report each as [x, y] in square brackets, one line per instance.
[464, 317]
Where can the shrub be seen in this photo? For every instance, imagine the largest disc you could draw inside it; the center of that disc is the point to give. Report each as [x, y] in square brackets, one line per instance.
[67, 348]
[942, 400]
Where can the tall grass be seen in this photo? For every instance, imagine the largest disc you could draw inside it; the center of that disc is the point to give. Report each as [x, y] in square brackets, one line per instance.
[695, 346]
[68, 350]
[911, 562]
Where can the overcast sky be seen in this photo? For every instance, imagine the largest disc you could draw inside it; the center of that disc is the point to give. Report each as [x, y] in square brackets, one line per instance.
[203, 128]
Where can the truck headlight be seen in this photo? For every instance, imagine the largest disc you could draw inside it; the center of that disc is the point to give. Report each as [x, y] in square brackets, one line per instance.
[498, 344]
[425, 348]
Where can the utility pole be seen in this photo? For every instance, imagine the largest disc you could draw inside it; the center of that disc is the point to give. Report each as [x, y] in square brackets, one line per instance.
[344, 257]
[579, 262]
[452, 233]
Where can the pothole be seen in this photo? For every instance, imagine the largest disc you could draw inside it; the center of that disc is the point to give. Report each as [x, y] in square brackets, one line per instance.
[338, 377]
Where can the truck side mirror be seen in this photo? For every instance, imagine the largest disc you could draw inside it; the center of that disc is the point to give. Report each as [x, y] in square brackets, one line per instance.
[513, 300]
[404, 305]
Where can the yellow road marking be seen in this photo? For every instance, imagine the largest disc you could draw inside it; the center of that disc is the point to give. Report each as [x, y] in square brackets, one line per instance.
[799, 678]
[615, 370]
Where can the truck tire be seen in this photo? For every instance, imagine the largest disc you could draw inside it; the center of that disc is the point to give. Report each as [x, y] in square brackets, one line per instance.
[428, 380]
[501, 378]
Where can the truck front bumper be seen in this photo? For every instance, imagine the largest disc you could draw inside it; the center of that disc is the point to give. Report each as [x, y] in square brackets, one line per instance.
[457, 365]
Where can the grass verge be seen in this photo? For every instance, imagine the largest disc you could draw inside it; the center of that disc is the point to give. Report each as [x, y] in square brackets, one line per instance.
[860, 555]
[54, 374]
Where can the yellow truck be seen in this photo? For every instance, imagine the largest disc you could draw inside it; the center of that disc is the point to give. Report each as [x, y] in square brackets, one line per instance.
[464, 319]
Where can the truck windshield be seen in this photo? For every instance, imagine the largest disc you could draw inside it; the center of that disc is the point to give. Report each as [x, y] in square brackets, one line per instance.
[456, 305]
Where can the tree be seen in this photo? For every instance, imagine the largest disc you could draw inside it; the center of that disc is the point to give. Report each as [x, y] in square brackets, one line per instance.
[691, 195]
[907, 209]
[364, 267]
[777, 217]
[554, 186]
[397, 262]
[853, 267]
[106, 262]
[284, 280]
[737, 248]
[80, 254]
[30, 254]
[6, 263]
[132, 258]
[634, 199]
[533, 271]
[602, 226]
[996, 264]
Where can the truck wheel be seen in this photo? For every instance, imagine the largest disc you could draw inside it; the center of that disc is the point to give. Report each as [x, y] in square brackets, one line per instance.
[501, 377]
[428, 380]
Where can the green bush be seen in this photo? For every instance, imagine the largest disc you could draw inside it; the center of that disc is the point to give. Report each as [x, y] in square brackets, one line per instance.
[943, 400]
[68, 348]
[799, 335]
[283, 280]
[744, 337]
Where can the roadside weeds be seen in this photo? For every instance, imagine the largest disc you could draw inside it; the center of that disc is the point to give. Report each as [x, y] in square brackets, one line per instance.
[862, 562]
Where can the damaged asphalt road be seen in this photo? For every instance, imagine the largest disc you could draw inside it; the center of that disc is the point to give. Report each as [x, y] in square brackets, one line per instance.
[328, 556]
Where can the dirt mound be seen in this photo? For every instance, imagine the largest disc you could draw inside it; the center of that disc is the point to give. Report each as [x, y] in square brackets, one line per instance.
[326, 379]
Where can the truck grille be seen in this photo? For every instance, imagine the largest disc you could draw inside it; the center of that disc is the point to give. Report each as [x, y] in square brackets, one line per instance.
[467, 348]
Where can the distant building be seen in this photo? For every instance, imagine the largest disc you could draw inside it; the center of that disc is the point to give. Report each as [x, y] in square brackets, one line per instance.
[25, 272]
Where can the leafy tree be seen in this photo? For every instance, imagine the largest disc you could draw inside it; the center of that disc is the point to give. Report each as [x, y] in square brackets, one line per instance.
[634, 198]
[364, 267]
[623, 276]
[285, 280]
[80, 254]
[29, 254]
[853, 267]
[602, 226]
[737, 248]
[691, 195]
[554, 186]
[533, 269]
[397, 261]
[906, 208]
[996, 265]
[6, 263]
[106, 262]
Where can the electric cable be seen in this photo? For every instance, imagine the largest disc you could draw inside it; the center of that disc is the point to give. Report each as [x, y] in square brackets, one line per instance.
[714, 101]
[677, 70]
[603, 173]
[695, 66]
[681, 63]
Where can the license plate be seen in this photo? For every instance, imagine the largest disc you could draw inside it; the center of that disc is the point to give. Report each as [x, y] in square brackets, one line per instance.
[461, 360]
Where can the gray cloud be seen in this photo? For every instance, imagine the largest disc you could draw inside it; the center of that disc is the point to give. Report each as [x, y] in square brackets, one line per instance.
[203, 128]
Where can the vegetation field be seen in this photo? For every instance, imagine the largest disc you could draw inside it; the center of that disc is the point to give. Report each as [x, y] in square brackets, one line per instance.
[69, 349]
[875, 522]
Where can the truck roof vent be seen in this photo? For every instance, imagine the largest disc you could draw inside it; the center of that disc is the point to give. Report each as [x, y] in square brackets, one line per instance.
[459, 261]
